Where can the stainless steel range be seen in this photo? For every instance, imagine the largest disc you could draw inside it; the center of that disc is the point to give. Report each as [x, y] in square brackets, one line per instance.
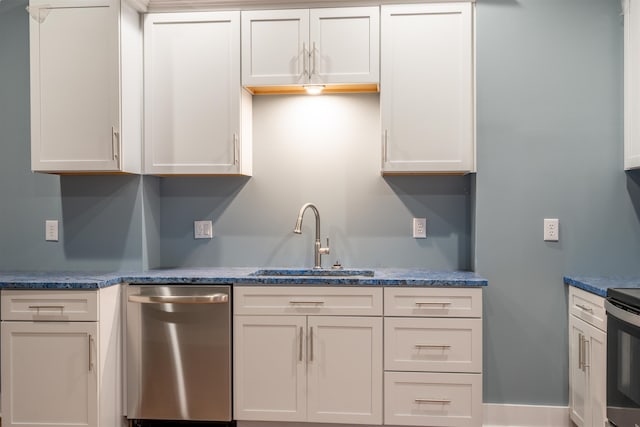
[179, 352]
[623, 357]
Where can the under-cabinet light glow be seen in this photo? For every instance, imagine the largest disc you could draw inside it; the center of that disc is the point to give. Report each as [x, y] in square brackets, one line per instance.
[313, 89]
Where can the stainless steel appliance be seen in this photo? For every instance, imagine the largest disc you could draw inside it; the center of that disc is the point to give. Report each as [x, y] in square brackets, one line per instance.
[623, 357]
[179, 352]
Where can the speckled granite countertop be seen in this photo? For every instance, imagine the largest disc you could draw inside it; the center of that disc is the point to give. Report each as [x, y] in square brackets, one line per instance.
[243, 275]
[599, 285]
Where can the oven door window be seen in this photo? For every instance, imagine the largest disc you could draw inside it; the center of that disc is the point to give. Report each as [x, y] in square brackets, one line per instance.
[623, 373]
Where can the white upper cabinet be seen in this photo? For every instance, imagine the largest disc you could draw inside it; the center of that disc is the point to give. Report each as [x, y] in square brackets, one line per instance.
[427, 93]
[86, 91]
[197, 117]
[317, 46]
[631, 84]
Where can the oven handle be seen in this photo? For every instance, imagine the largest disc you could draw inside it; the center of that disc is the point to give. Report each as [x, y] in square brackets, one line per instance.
[621, 314]
[180, 299]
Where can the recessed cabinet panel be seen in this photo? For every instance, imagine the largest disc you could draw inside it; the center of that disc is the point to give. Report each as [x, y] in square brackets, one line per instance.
[345, 369]
[270, 359]
[52, 365]
[345, 45]
[433, 399]
[193, 98]
[74, 87]
[427, 88]
[274, 46]
[446, 345]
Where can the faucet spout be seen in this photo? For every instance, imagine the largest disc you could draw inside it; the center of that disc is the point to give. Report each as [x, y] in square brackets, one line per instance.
[318, 249]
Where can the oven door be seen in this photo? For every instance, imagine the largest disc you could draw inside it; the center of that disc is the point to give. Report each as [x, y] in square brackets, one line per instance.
[623, 366]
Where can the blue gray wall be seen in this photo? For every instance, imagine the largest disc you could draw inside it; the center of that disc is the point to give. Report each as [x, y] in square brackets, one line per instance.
[550, 117]
[549, 145]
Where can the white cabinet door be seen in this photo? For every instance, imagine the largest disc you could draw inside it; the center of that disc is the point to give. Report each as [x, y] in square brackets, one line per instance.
[74, 86]
[193, 97]
[596, 367]
[631, 84]
[52, 364]
[577, 374]
[269, 368]
[345, 370]
[344, 45]
[427, 88]
[275, 47]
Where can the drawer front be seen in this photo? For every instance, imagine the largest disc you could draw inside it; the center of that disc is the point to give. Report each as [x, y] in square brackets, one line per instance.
[433, 302]
[425, 344]
[294, 300]
[432, 399]
[50, 305]
[588, 307]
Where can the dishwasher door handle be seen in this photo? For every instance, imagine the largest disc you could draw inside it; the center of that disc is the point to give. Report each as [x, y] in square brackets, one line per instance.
[180, 299]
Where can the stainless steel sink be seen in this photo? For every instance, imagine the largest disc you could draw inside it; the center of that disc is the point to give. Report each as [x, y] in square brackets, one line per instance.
[308, 272]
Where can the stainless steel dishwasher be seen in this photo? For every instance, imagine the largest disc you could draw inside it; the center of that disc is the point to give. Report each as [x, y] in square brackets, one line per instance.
[178, 352]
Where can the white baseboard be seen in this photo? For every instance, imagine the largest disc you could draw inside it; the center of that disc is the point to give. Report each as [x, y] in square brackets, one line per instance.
[503, 415]
[494, 415]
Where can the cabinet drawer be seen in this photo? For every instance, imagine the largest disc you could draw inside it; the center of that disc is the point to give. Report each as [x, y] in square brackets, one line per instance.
[50, 305]
[588, 307]
[295, 300]
[433, 302]
[433, 399]
[425, 344]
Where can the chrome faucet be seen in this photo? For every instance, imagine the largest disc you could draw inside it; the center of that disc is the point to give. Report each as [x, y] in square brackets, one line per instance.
[318, 249]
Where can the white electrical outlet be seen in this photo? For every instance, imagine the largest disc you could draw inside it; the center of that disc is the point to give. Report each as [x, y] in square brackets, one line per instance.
[551, 229]
[419, 228]
[202, 229]
[51, 230]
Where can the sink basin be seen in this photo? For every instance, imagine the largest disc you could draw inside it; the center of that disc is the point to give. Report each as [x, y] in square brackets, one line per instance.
[280, 272]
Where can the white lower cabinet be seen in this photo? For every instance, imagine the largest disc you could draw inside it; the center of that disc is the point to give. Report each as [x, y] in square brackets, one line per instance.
[315, 354]
[433, 357]
[587, 359]
[305, 364]
[56, 369]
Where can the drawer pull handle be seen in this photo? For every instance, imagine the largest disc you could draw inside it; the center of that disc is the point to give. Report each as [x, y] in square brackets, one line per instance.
[47, 307]
[433, 303]
[419, 346]
[584, 308]
[440, 401]
[306, 302]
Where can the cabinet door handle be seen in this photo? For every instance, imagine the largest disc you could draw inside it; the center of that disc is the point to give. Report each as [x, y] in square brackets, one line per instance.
[305, 73]
[584, 308]
[235, 149]
[50, 307]
[313, 59]
[585, 353]
[301, 339]
[443, 303]
[311, 344]
[115, 139]
[440, 401]
[580, 362]
[90, 353]
[385, 146]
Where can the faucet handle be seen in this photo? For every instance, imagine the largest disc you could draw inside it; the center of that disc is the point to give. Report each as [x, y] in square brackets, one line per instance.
[325, 251]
